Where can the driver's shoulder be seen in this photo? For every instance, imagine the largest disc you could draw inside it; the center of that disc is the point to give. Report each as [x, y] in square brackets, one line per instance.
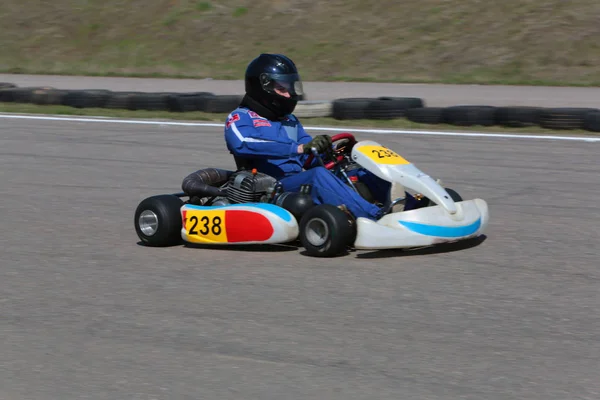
[239, 116]
[246, 114]
[242, 111]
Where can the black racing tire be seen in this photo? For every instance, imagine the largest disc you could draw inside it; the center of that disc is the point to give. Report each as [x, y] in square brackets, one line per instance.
[158, 220]
[350, 108]
[121, 100]
[326, 231]
[592, 121]
[518, 116]
[425, 115]
[469, 115]
[86, 98]
[21, 94]
[185, 102]
[221, 103]
[454, 195]
[391, 107]
[149, 101]
[48, 96]
[564, 117]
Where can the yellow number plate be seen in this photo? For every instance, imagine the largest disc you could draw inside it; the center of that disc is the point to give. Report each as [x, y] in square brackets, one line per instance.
[383, 155]
[205, 226]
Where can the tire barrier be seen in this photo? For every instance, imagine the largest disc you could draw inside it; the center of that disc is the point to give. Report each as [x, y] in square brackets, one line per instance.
[518, 117]
[381, 108]
[563, 118]
[391, 107]
[591, 121]
[425, 115]
[313, 109]
[469, 115]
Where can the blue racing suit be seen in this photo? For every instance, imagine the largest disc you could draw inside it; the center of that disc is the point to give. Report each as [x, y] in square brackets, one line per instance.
[272, 148]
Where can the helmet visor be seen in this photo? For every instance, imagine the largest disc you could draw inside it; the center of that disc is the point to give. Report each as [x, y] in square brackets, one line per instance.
[282, 84]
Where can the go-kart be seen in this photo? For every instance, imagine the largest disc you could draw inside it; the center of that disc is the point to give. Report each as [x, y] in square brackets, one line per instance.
[244, 206]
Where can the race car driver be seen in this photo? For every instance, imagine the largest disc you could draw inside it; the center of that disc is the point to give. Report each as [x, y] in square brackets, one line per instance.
[263, 133]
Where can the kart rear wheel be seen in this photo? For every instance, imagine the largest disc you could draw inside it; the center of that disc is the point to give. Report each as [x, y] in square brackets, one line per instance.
[326, 231]
[158, 220]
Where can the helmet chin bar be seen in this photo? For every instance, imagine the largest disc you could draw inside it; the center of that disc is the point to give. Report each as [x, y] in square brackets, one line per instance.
[289, 104]
[282, 106]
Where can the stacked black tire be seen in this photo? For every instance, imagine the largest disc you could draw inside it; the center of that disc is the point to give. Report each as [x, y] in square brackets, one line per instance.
[379, 108]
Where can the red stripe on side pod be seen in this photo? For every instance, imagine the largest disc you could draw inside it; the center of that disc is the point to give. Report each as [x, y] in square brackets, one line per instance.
[247, 226]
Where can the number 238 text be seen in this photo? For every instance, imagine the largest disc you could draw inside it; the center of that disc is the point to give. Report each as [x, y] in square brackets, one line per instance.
[385, 153]
[206, 224]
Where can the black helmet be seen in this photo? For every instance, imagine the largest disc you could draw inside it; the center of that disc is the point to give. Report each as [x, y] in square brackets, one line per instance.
[264, 74]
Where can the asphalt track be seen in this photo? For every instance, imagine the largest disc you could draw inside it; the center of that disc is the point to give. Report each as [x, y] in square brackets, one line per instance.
[435, 95]
[87, 313]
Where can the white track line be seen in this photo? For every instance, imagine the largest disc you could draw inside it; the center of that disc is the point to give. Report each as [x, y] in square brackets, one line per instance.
[591, 139]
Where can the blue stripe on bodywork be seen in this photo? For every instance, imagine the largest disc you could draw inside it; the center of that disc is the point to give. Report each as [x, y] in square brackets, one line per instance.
[442, 231]
[280, 212]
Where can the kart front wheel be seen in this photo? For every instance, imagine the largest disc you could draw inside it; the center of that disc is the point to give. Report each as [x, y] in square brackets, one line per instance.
[326, 231]
[158, 220]
[454, 195]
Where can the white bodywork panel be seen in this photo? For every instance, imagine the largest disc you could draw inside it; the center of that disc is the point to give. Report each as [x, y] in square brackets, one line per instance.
[390, 166]
[446, 221]
[423, 227]
[249, 223]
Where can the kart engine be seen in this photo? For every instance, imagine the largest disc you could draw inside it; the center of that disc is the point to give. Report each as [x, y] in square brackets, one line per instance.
[248, 187]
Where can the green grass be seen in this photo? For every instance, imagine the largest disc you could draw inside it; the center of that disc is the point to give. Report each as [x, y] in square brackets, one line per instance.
[552, 42]
[401, 123]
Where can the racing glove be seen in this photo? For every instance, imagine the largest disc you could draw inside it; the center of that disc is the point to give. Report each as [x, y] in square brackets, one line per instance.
[319, 142]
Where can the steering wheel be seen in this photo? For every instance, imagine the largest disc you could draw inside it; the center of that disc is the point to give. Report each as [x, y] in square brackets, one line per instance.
[339, 151]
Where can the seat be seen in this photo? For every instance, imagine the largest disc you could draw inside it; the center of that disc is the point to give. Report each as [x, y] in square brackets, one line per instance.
[242, 163]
